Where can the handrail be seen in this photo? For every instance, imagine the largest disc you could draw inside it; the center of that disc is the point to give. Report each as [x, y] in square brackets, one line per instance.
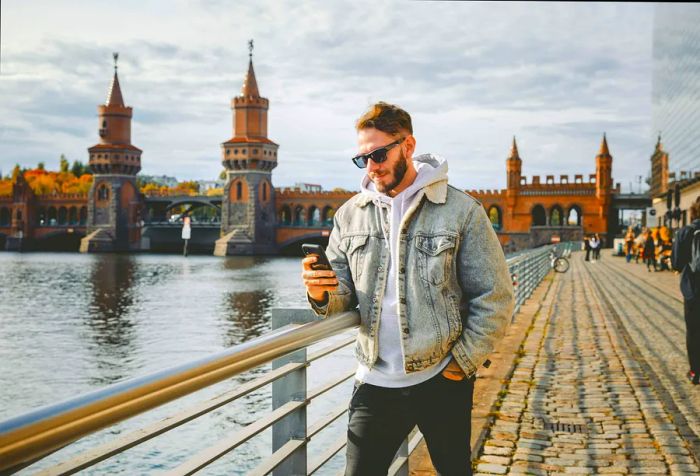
[28, 437]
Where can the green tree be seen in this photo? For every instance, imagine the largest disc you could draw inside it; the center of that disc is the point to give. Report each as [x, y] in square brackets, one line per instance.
[222, 175]
[64, 165]
[78, 168]
[41, 166]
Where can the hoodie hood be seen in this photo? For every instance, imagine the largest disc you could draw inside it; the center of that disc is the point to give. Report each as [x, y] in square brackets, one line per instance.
[430, 169]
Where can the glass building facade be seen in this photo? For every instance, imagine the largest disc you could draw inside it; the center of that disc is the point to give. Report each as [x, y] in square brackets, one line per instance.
[676, 86]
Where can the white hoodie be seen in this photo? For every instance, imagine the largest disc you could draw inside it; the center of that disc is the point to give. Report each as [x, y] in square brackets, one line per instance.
[389, 371]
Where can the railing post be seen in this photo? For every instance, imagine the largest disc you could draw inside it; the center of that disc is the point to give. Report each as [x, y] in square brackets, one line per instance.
[291, 387]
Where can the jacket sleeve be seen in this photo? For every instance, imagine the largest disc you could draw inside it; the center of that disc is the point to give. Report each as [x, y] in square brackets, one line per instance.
[680, 254]
[488, 297]
[343, 298]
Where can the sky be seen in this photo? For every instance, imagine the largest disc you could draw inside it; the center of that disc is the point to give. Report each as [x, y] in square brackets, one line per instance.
[472, 75]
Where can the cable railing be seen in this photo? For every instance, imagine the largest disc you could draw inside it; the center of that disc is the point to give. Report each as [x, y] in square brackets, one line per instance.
[26, 439]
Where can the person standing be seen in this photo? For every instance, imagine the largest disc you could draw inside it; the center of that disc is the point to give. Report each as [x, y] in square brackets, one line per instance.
[629, 244]
[650, 250]
[685, 257]
[587, 247]
[423, 263]
[594, 244]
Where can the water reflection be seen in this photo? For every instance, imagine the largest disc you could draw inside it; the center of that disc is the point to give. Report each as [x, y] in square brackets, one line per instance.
[247, 315]
[244, 262]
[109, 320]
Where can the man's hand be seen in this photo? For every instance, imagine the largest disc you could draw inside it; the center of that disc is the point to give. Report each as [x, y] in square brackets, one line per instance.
[318, 282]
[453, 371]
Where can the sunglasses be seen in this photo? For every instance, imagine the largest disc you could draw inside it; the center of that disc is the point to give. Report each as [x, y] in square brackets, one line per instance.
[377, 155]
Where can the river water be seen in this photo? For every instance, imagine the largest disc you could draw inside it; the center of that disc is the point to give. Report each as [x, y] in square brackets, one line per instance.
[72, 323]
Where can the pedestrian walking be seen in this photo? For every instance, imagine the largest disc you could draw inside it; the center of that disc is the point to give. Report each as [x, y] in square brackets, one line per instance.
[629, 244]
[686, 259]
[650, 251]
[587, 247]
[424, 265]
[594, 244]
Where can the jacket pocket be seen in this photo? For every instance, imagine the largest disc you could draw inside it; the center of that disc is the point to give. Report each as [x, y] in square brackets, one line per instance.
[355, 250]
[435, 257]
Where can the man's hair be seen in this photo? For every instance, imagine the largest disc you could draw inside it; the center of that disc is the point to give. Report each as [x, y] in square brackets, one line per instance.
[695, 209]
[387, 118]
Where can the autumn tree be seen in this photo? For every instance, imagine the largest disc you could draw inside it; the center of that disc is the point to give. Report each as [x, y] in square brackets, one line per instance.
[63, 167]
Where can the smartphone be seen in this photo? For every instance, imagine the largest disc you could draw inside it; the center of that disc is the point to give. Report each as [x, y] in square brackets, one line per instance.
[322, 263]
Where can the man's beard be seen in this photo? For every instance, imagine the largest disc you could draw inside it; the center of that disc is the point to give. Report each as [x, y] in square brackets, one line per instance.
[398, 172]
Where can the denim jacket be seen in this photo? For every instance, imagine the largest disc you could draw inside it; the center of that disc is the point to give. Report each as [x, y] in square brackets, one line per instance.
[455, 292]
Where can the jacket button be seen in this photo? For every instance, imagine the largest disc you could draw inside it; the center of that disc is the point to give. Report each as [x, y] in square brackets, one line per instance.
[379, 269]
[402, 300]
[405, 330]
[402, 270]
[374, 299]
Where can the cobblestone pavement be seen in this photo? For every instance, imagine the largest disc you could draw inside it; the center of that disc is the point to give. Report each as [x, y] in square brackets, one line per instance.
[579, 400]
[650, 308]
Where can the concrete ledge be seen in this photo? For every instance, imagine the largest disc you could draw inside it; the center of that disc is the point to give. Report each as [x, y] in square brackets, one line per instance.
[491, 381]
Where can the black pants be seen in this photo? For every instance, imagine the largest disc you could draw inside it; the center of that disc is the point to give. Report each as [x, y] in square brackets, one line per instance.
[691, 308]
[381, 418]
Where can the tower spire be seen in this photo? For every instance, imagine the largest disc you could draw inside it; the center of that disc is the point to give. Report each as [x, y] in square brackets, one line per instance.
[250, 85]
[514, 150]
[604, 146]
[114, 96]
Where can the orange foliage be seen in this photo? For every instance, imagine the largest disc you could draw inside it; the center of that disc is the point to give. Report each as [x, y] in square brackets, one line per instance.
[43, 182]
[5, 187]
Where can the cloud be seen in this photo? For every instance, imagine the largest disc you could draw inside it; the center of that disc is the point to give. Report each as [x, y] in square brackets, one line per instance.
[472, 75]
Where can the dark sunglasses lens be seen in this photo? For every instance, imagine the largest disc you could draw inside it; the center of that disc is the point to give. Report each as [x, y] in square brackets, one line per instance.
[360, 161]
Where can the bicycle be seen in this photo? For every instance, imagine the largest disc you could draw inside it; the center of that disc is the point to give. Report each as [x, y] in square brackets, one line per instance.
[559, 263]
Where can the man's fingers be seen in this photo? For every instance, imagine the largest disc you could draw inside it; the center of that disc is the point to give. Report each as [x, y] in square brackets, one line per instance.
[308, 261]
[311, 274]
[321, 282]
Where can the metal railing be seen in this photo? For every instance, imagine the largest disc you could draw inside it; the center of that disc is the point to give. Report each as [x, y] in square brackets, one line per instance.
[28, 438]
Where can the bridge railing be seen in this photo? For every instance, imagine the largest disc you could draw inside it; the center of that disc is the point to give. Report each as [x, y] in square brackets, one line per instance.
[28, 438]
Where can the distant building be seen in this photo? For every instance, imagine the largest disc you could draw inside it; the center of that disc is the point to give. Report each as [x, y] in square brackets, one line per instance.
[162, 180]
[205, 185]
[308, 187]
[676, 110]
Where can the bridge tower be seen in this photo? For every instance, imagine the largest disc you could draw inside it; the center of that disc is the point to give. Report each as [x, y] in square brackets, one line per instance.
[114, 200]
[248, 205]
[514, 169]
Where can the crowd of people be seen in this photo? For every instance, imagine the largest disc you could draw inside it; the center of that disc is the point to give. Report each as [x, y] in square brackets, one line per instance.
[652, 245]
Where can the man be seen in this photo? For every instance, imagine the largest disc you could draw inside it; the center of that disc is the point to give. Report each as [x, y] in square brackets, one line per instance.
[682, 259]
[422, 262]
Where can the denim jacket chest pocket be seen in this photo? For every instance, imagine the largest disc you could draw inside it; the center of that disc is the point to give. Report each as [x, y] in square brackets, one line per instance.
[434, 257]
[355, 248]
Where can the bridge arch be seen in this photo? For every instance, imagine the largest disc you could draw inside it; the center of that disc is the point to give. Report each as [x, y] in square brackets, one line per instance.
[83, 215]
[327, 215]
[292, 246]
[285, 215]
[496, 217]
[62, 216]
[73, 215]
[5, 216]
[41, 218]
[53, 216]
[314, 215]
[299, 216]
[574, 216]
[556, 216]
[539, 215]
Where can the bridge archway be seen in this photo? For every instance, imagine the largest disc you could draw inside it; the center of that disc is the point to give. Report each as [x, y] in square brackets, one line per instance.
[5, 216]
[314, 216]
[539, 216]
[53, 216]
[556, 216]
[73, 216]
[62, 216]
[60, 240]
[496, 217]
[299, 216]
[574, 217]
[83, 215]
[327, 215]
[41, 217]
[285, 217]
